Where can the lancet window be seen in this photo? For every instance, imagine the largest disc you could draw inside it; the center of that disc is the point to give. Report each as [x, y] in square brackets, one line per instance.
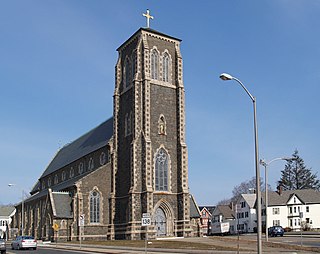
[154, 64]
[94, 207]
[166, 67]
[161, 170]
[126, 73]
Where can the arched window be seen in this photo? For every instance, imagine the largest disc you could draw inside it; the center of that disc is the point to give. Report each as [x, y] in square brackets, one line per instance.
[80, 168]
[56, 179]
[103, 158]
[133, 64]
[91, 164]
[71, 172]
[161, 169]
[154, 64]
[128, 124]
[94, 207]
[165, 65]
[63, 177]
[126, 72]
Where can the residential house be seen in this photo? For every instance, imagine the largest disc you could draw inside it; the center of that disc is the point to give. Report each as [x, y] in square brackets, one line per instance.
[294, 209]
[206, 214]
[223, 220]
[6, 214]
[246, 213]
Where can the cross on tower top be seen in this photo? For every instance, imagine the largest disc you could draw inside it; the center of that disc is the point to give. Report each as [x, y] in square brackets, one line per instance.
[148, 16]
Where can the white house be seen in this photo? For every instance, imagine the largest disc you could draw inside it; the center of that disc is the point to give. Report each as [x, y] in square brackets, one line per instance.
[222, 220]
[6, 214]
[246, 221]
[294, 209]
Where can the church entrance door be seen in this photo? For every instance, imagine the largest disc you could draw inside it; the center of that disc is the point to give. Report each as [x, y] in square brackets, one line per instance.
[160, 222]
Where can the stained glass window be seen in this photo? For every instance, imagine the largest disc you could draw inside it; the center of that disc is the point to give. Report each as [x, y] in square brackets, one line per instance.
[161, 174]
[94, 207]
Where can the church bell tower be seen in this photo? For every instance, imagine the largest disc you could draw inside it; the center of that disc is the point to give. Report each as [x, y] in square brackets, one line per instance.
[150, 159]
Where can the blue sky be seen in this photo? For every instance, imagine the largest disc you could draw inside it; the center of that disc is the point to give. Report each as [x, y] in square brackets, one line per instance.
[57, 62]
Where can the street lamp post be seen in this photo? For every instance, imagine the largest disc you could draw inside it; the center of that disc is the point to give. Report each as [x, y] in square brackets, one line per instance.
[22, 208]
[266, 164]
[225, 76]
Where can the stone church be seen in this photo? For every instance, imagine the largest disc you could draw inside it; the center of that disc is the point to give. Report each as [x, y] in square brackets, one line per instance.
[134, 163]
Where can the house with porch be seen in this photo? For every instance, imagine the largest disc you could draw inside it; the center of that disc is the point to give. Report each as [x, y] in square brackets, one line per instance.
[294, 209]
[206, 214]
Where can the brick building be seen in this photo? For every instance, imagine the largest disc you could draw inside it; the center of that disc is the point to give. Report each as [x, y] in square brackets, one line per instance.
[133, 163]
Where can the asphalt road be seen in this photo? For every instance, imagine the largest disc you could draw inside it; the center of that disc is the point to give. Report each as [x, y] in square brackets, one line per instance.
[247, 242]
[297, 240]
[43, 251]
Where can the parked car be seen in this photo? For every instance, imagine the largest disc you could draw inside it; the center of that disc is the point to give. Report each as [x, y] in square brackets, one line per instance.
[3, 246]
[275, 231]
[24, 242]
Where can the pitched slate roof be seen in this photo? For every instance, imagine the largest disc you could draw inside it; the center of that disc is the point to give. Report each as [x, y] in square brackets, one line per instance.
[89, 142]
[148, 30]
[194, 210]
[58, 187]
[61, 203]
[209, 208]
[6, 211]
[225, 210]
[250, 199]
[308, 196]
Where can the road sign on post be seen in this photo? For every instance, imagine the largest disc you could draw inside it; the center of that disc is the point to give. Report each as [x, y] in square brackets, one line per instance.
[81, 225]
[146, 219]
[81, 220]
[55, 227]
[145, 222]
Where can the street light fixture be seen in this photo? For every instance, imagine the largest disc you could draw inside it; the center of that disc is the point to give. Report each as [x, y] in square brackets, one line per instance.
[225, 76]
[266, 164]
[22, 208]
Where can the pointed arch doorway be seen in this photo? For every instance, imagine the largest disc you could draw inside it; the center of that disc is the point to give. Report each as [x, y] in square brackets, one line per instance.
[160, 222]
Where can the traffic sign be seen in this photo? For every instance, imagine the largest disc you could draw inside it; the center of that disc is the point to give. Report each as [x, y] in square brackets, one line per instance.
[81, 220]
[55, 227]
[146, 219]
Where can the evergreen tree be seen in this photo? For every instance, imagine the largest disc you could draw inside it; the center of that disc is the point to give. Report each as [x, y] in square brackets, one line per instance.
[296, 176]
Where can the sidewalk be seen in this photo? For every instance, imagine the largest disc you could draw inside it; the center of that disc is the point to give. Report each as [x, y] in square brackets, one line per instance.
[229, 244]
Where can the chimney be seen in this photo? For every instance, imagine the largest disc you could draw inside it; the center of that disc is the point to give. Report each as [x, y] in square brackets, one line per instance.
[231, 206]
[280, 189]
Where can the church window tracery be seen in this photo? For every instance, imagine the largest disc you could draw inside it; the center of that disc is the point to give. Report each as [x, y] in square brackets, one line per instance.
[166, 67]
[56, 179]
[71, 172]
[133, 64]
[49, 181]
[91, 164]
[80, 168]
[126, 73]
[128, 124]
[63, 175]
[94, 207]
[161, 170]
[103, 158]
[154, 64]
